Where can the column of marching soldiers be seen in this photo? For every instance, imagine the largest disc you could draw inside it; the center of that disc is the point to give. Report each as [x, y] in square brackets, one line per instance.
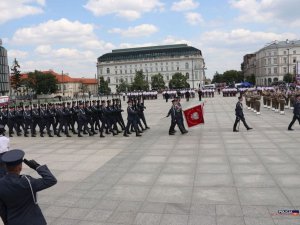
[78, 117]
[273, 98]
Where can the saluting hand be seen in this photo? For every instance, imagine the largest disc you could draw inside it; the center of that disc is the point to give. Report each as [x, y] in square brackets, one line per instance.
[31, 163]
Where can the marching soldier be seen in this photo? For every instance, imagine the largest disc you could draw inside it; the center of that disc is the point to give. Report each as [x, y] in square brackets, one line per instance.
[27, 120]
[131, 120]
[62, 118]
[82, 120]
[240, 115]
[35, 119]
[296, 112]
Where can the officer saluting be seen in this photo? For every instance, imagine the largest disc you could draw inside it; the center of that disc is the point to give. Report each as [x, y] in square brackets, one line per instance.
[18, 204]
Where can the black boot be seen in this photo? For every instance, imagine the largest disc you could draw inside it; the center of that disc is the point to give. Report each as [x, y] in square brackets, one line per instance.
[101, 135]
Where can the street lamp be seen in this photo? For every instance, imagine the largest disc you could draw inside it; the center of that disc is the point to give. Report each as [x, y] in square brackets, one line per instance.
[193, 72]
[288, 60]
[62, 81]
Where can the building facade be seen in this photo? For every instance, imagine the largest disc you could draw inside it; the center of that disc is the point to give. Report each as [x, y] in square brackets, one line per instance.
[4, 71]
[273, 61]
[122, 64]
[68, 86]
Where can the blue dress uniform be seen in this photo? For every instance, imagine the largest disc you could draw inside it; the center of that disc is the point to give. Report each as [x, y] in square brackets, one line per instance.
[18, 192]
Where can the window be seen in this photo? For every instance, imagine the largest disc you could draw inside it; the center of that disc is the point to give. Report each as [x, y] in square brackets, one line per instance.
[269, 61]
[108, 80]
[284, 52]
[269, 53]
[294, 52]
[161, 69]
[167, 68]
[274, 60]
[126, 79]
[130, 70]
[275, 70]
[116, 80]
[187, 75]
[177, 68]
[285, 60]
[265, 61]
[125, 71]
[269, 70]
[167, 77]
[156, 69]
[107, 70]
[294, 59]
[284, 70]
[116, 72]
[120, 71]
[186, 66]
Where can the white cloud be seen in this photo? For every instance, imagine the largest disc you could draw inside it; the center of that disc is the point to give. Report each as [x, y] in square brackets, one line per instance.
[129, 9]
[61, 32]
[243, 38]
[170, 40]
[184, 5]
[137, 31]
[224, 50]
[15, 9]
[13, 53]
[268, 11]
[194, 18]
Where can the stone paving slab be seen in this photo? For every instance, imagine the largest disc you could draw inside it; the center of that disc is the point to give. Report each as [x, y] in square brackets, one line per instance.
[210, 176]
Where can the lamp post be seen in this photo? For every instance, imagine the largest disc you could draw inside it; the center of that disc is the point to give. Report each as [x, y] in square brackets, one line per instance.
[288, 60]
[62, 81]
[193, 72]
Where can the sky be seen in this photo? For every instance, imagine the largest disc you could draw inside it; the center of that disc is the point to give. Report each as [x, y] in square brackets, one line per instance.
[69, 35]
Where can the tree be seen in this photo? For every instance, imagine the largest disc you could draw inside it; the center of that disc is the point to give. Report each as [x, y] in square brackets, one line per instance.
[103, 88]
[42, 83]
[178, 81]
[218, 78]
[233, 76]
[288, 78]
[251, 79]
[158, 82]
[123, 86]
[16, 76]
[139, 82]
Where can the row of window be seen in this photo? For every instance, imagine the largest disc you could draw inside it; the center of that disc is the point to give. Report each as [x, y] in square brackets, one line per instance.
[3, 61]
[156, 64]
[166, 77]
[285, 52]
[275, 70]
[284, 60]
[151, 69]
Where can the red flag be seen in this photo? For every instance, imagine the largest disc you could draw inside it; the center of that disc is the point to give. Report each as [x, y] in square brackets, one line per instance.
[194, 116]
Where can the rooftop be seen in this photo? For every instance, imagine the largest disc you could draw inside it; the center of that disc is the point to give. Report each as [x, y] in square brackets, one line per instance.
[282, 44]
[65, 78]
[149, 52]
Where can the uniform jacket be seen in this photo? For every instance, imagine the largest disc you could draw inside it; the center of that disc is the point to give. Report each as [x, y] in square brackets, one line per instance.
[172, 112]
[297, 108]
[16, 197]
[239, 110]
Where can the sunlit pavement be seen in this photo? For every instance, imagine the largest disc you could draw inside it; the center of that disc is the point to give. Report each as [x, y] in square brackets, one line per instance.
[209, 176]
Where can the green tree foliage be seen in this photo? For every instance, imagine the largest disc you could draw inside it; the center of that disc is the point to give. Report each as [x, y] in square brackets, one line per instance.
[178, 81]
[218, 78]
[228, 77]
[103, 88]
[123, 86]
[42, 83]
[16, 75]
[139, 82]
[251, 79]
[288, 78]
[158, 82]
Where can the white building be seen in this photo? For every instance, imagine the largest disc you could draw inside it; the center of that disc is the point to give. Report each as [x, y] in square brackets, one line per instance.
[121, 64]
[274, 61]
[4, 71]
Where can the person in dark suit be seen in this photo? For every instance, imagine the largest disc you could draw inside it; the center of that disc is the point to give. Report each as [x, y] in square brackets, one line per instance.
[131, 120]
[296, 113]
[18, 203]
[240, 115]
[172, 113]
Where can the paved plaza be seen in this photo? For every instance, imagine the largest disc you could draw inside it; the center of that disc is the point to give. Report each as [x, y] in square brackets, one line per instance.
[210, 176]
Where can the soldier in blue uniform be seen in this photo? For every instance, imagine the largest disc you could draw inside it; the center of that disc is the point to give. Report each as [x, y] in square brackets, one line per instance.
[240, 115]
[131, 120]
[18, 203]
[296, 112]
